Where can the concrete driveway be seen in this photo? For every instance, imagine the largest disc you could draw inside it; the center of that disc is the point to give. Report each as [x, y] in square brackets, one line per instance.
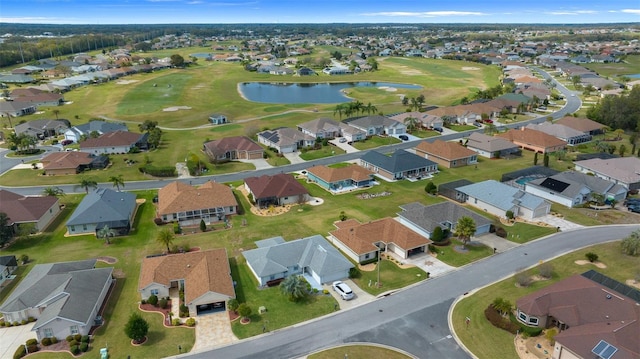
[260, 163]
[344, 145]
[361, 297]
[492, 241]
[294, 157]
[213, 330]
[13, 337]
[559, 222]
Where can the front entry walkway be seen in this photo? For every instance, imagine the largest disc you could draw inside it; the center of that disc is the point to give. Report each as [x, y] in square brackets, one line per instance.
[213, 330]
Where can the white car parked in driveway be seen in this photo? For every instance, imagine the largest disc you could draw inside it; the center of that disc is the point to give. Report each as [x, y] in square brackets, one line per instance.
[343, 290]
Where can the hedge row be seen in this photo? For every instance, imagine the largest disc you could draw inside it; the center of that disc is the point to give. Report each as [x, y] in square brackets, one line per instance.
[164, 171]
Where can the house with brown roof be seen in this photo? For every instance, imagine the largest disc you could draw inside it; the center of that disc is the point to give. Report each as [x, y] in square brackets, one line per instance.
[447, 154]
[340, 179]
[583, 125]
[592, 312]
[533, 140]
[37, 97]
[365, 241]
[40, 210]
[188, 205]
[116, 142]
[277, 190]
[233, 148]
[204, 275]
[70, 163]
[491, 146]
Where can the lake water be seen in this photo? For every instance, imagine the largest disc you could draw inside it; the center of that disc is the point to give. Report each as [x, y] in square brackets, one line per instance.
[289, 93]
[634, 76]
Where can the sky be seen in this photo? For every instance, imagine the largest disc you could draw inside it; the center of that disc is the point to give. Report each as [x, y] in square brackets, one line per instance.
[317, 11]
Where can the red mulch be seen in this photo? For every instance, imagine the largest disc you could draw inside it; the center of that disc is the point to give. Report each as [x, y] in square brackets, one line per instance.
[233, 315]
[150, 308]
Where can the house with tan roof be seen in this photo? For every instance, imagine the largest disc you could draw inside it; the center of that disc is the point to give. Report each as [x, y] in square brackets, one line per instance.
[340, 179]
[204, 275]
[492, 146]
[365, 241]
[447, 154]
[37, 97]
[116, 142]
[533, 140]
[425, 120]
[583, 125]
[188, 205]
[233, 148]
[322, 127]
[276, 190]
[40, 210]
[70, 163]
[597, 316]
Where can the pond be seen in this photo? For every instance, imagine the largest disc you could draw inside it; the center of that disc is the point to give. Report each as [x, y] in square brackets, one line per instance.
[291, 93]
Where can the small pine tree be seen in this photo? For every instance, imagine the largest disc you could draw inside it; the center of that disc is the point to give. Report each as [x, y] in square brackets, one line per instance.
[545, 160]
[203, 226]
[136, 328]
[437, 235]
[535, 159]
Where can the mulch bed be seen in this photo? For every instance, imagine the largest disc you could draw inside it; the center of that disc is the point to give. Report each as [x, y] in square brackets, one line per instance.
[233, 315]
[151, 308]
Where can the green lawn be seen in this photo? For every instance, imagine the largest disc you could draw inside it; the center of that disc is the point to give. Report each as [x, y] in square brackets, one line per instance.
[462, 128]
[630, 66]
[374, 142]
[454, 256]
[524, 232]
[486, 341]
[392, 276]
[325, 151]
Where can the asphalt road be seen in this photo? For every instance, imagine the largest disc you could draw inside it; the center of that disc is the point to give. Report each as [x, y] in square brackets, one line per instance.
[414, 319]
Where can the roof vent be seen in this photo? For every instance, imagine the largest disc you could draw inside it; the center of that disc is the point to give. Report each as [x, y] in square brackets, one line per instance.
[188, 265]
[608, 296]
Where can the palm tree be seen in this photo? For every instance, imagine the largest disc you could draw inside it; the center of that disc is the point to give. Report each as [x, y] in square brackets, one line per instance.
[53, 191]
[340, 108]
[293, 287]
[369, 108]
[166, 237]
[56, 112]
[411, 123]
[414, 104]
[87, 183]
[117, 181]
[105, 232]
[465, 228]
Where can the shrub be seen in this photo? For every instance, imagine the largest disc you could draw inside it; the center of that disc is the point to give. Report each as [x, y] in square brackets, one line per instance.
[509, 214]
[176, 322]
[432, 248]
[430, 188]
[143, 302]
[592, 257]
[32, 348]
[190, 322]
[32, 342]
[85, 339]
[73, 342]
[233, 304]
[158, 221]
[54, 340]
[163, 171]
[550, 334]
[20, 352]
[523, 279]
[84, 347]
[31, 319]
[46, 341]
[546, 270]
[176, 228]
[15, 324]
[23, 322]
[501, 232]
[153, 300]
[7, 324]
[162, 303]
[77, 337]
[325, 291]
[75, 350]
[498, 321]
[69, 338]
[438, 234]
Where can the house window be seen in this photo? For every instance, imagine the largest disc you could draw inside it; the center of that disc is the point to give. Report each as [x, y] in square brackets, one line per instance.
[154, 292]
[533, 320]
[84, 227]
[522, 316]
[366, 256]
[73, 329]
[48, 332]
[475, 201]
[73, 228]
[50, 210]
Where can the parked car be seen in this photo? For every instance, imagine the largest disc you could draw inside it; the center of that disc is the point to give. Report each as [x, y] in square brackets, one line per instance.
[404, 137]
[343, 290]
[634, 209]
[342, 140]
[477, 124]
[632, 202]
[66, 142]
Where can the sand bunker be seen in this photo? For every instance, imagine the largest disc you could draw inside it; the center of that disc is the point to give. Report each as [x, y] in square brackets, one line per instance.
[584, 262]
[125, 82]
[388, 89]
[468, 68]
[176, 108]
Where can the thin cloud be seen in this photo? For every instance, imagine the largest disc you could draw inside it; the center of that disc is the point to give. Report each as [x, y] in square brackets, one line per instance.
[425, 13]
[575, 12]
[194, 2]
[34, 20]
[631, 11]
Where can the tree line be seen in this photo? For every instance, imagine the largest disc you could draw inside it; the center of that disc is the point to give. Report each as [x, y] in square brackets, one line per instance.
[618, 112]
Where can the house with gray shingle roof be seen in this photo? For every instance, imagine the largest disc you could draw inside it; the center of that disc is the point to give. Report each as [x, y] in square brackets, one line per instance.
[378, 125]
[285, 140]
[401, 164]
[64, 298]
[569, 135]
[276, 259]
[574, 188]
[322, 127]
[101, 127]
[16, 108]
[103, 207]
[42, 128]
[624, 170]
[424, 219]
[8, 265]
[497, 198]
[491, 146]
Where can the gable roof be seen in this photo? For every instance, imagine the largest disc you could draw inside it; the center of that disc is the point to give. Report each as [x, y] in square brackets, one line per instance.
[501, 195]
[321, 124]
[8, 261]
[104, 205]
[115, 138]
[39, 126]
[99, 126]
[278, 186]
[625, 169]
[574, 182]
[531, 136]
[330, 174]
[430, 217]
[62, 160]
[236, 143]
[446, 150]
[556, 130]
[180, 197]
[361, 238]
[71, 289]
[284, 136]
[203, 272]
[313, 252]
[373, 121]
[489, 143]
[22, 209]
[400, 161]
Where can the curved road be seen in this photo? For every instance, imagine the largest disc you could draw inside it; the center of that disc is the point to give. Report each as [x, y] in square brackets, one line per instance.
[413, 319]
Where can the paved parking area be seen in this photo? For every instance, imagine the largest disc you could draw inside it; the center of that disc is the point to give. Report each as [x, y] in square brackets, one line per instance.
[344, 145]
[12, 337]
[426, 262]
[294, 157]
[260, 163]
[361, 297]
[559, 222]
[212, 330]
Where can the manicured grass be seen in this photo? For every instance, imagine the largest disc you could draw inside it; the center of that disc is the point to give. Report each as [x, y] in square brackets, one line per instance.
[525, 232]
[325, 151]
[486, 341]
[358, 352]
[375, 141]
[455, 257]
[392, 276]
[425, 133]
[276, 159]
[280, 311]
[462, 128]
[630, 66]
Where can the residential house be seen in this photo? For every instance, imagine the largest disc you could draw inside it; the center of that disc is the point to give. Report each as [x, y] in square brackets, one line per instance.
[312, 257]
[378, 125]
[218, 119]
[37, 210]
[116, 142]
[233, 148]
[277, 190]
[188, 205]
[363, 242]
[321, 128]
[42, 128]
[16, 108]
[401, 164]
[498, 198]
[533, 140]
[424, 120]
[424, 219]
[624, 170]
[37, 97]
[75, 133]
[336, 70]
[8, 265]
[101, 208]
[571, 188]
[447, 154]
[285, 140]
[583, 125]
[596, 316]
[352, 134]
[65, 298]
[305, 71]
[340, 179]
[569, 135]
[70, 163]
[205, 277]
[492, 146]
